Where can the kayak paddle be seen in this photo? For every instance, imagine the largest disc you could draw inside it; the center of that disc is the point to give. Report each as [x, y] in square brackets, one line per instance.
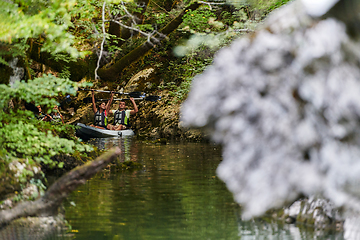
[148, 98]
[131, 94]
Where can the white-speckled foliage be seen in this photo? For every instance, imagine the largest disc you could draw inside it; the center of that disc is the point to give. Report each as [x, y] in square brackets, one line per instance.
[285, 104]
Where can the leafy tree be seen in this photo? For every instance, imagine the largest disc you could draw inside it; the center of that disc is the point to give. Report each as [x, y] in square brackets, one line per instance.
[213, 27]
[25, 142]
[41, 30]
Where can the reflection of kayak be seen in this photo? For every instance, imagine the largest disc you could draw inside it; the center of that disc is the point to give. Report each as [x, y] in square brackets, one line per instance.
[86, 132]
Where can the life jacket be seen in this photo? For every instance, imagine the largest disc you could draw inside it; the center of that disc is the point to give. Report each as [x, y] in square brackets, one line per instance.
[100, 119]
[56, 117]
[120, 117]
[40, 116]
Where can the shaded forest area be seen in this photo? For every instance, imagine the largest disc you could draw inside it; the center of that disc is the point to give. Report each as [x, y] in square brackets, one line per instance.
[48, 49]
[130, 31]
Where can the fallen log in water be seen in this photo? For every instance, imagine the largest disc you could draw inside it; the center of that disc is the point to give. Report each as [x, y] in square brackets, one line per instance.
[48, 204]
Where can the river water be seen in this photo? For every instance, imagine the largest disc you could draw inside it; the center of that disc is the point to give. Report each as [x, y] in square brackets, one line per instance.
[175, 194]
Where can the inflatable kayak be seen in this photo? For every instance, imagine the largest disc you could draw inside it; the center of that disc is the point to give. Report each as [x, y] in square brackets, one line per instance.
[86, 132]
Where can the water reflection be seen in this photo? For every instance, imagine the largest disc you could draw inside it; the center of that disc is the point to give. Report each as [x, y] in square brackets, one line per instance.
[28, 232]
[258, 229]
[125, 143]
[176, 195]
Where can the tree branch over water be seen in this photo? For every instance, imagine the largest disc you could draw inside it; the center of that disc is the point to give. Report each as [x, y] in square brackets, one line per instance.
[48, 204]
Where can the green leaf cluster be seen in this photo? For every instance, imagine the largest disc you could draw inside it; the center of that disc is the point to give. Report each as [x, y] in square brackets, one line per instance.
[23, 138]
[211, 29]
[215, 30]
[27, 141]
[33, 18]
[199, 20]
[268, 5]
[195, 64]
[264, 6]
[35, 90]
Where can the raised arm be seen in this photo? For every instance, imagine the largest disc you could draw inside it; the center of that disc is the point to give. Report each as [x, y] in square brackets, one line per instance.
[61, 116]
[108, 105]
[93, 100]
[135, 110]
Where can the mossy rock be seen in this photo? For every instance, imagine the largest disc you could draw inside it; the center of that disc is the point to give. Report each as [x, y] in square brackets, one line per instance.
[8, 184]
[35, 227]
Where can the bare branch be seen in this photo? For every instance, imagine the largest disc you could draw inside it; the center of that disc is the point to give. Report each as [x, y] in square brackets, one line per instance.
[128, 14]
[148, 35]
[159, 6]
[103, 41]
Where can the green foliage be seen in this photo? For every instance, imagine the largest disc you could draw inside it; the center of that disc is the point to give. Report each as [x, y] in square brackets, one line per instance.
[264, 6]
[198, 20]
[35, 90]
[195, 64]
[211, 29]
[34, 195]
[162, 18]
[17, 49]
[277, 4]
[40, 186]
[119, 9]
[231, 18]
[65, 73]
[82, 26]
[28, 140]
[214, 33]
[25, 140]
[146, 27]
[32, 19]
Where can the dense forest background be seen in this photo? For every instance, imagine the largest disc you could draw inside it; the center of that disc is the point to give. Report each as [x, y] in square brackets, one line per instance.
[48, 49]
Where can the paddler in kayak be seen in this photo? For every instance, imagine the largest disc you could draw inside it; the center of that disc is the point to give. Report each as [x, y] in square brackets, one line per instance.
[100, 119]
[122, 116]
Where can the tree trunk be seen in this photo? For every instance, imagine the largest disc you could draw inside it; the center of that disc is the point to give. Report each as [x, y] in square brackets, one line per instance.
[78, 69]
[48, 204]
[113, 72]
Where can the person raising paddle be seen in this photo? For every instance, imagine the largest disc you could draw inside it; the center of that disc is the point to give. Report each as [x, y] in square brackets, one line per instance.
[100, 119]
[122, 116]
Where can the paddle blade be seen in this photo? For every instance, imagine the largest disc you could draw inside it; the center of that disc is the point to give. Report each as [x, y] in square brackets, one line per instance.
[83, 89]
[65, 101]
[152, 98]
[137, 95]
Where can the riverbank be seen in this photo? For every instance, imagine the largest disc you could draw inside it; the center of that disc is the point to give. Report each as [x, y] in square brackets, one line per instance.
[155, 121]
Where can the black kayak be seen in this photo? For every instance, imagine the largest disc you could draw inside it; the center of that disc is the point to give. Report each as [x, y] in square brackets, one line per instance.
[86, 132]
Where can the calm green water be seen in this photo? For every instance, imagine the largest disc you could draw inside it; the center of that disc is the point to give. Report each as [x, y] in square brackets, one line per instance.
[175, 195]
